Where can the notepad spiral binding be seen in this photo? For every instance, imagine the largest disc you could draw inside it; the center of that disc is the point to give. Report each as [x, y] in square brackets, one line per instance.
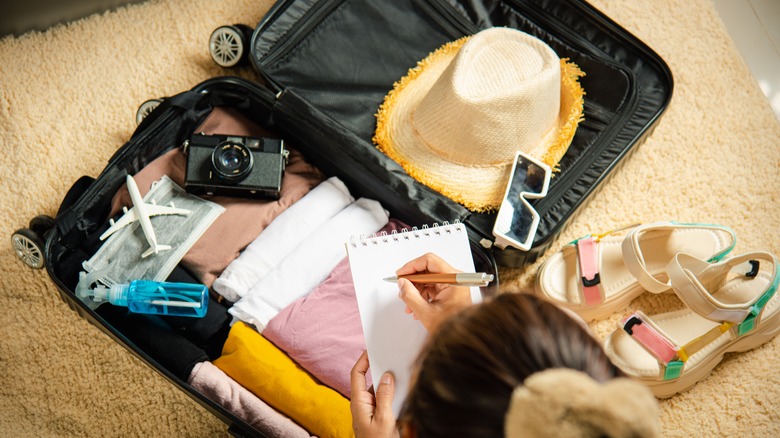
[406, 233]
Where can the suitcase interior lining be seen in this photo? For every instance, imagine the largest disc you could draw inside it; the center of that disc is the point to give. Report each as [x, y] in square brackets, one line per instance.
[326, 69]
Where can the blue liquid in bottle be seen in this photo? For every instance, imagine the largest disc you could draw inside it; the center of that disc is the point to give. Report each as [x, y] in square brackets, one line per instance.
[161, 298]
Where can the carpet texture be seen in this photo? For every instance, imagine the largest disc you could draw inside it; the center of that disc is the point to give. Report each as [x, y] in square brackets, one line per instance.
[67, 101]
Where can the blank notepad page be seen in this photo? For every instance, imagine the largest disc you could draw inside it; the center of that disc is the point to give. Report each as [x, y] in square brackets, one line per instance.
[394, 338]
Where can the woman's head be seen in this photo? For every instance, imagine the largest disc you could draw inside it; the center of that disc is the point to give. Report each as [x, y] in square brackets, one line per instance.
[476, 358]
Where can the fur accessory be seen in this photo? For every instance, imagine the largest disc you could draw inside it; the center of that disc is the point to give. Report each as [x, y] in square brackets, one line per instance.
[567, 403]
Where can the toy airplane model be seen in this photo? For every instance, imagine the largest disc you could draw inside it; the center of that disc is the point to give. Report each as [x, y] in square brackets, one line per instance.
[141, 212]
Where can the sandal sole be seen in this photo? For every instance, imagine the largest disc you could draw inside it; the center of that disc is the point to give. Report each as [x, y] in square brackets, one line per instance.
[666, 389]
[767, 328]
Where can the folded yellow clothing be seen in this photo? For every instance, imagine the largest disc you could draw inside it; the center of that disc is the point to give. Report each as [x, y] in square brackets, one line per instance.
[270, 374]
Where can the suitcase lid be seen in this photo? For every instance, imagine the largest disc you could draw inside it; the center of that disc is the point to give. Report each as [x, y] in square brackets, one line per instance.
[335, 60]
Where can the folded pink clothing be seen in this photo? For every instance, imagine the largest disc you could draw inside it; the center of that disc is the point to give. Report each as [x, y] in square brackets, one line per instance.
[322, 331]
[221, 389]
[243, 219]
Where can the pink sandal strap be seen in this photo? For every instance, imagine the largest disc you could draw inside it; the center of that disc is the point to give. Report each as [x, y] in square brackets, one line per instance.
[588, 259]
[651, 339]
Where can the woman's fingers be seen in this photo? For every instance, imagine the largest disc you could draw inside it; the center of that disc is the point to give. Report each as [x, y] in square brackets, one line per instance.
[426, 263]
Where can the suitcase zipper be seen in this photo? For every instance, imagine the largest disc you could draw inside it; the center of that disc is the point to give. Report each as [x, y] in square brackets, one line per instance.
[447, 16]
[562, 30]
[100, 184]
[596, 116]
[535, 17]
[292, 112]
[443, 13]
[312, 18]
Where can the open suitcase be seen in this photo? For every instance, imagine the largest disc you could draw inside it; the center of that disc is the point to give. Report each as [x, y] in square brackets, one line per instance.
[313, 94]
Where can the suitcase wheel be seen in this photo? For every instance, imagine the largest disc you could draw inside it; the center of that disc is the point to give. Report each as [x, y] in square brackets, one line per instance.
[145, 108]
[41, 224]
[28, 246]
[28, 242]
[228, 45]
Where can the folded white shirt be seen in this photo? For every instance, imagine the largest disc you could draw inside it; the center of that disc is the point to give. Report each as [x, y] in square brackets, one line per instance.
[308, 264]
[281, 237]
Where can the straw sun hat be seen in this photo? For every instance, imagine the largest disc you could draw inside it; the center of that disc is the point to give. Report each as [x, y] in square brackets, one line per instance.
[456, 120]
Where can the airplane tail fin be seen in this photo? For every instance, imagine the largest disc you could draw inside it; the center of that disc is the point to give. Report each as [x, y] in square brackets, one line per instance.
[154, 250]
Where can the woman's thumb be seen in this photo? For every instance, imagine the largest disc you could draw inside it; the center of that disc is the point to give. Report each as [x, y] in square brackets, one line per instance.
[384, 396]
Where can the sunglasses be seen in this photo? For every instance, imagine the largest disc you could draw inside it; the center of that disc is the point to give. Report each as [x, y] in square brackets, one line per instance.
[517, 219]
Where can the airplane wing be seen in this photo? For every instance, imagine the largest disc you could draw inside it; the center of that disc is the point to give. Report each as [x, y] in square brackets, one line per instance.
[131, 216]
[128, 218]
[156, 210]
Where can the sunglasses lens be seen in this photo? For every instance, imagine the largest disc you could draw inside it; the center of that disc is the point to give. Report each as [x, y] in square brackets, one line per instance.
[535, 178]
[516, 222]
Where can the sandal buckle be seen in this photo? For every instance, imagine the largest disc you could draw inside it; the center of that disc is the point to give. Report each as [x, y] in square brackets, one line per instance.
[588, 283]
[628, 326]
[754, 266]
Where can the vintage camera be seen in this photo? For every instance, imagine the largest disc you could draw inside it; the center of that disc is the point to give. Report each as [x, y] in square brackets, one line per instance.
[234, 166]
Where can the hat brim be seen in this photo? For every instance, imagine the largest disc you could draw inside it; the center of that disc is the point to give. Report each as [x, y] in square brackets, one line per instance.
[478, 188]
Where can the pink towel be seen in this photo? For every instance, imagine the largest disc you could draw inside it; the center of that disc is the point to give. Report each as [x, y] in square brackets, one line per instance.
[221, 389]
[322, 331]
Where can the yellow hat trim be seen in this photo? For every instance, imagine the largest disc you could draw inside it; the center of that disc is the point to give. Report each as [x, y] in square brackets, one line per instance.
[570, 75]
[382, 138]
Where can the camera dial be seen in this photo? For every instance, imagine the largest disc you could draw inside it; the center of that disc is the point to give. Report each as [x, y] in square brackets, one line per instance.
[231, 161]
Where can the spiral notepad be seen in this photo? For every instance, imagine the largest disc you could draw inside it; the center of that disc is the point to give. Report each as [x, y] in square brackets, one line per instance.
[393, 338]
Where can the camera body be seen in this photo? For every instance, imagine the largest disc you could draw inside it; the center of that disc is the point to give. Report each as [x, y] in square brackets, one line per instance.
[229, 165]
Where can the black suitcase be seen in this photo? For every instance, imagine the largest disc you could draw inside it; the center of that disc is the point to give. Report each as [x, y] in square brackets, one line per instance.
[82, 215]
[330, 117]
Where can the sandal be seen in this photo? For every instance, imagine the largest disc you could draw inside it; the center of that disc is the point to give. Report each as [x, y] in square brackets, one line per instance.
[672, 351]
[599, 274]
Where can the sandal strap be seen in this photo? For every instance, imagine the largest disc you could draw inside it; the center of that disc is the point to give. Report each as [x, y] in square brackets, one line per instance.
[689, 288]
[591, 291]
[635, 261]
[689, 275]
[671, 358]
[641, 328]
[749, 323]
[589, 263]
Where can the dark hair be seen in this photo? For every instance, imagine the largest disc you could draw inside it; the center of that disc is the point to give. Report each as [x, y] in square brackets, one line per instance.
[466, 374]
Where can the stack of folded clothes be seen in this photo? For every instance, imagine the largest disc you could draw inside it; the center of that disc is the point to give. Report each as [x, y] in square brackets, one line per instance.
[282, 330]
[296, 330]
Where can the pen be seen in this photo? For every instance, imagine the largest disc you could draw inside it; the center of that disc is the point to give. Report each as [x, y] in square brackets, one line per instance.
[461, 278]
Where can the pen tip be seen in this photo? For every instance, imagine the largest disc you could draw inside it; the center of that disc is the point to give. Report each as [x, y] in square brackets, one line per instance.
[391, 279]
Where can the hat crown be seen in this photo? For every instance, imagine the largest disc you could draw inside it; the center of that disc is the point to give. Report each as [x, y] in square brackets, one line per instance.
[500, 94]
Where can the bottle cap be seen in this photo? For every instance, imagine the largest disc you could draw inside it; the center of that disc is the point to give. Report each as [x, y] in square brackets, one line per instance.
[118, 294]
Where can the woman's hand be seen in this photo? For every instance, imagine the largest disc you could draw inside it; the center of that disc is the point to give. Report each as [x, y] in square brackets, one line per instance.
[431, 303]
[371, 416]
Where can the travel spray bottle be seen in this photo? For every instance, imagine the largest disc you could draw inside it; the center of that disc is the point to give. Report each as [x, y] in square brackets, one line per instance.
[150, 297]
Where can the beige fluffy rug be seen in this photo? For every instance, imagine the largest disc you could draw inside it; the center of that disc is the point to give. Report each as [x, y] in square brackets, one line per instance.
[67, 101]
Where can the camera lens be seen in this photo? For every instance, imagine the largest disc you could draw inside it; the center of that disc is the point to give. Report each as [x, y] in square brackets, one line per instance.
[231, 161]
